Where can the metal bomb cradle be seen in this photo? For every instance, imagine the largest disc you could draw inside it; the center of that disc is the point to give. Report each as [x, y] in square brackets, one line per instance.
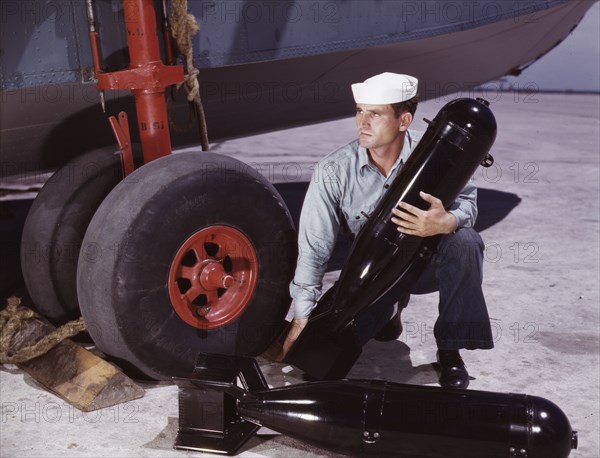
[364, 417]
[370, 417]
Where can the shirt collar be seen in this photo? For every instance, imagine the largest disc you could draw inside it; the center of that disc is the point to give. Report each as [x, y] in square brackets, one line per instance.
[406, 148]
[363, 158]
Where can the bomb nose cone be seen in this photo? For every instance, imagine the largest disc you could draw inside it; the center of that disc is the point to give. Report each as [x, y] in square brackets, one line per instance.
[550, 431]
[473, 117]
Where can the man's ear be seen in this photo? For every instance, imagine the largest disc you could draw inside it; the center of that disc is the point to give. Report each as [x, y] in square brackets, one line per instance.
[405, 120]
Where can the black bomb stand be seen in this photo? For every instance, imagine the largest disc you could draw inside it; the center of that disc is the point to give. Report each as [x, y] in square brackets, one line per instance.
[227, 400]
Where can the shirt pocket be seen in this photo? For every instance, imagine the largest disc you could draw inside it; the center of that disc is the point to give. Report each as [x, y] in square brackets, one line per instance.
[357, 219]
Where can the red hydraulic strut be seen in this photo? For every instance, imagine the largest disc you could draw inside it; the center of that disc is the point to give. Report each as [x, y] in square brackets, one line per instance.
[147, 76]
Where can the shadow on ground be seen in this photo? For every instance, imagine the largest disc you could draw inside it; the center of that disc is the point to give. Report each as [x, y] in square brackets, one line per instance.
[12, 219]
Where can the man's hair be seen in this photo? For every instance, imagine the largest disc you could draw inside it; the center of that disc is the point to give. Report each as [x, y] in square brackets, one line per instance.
[409, 105]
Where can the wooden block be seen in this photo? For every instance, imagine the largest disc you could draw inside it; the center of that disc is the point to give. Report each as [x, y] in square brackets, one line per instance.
[73, 373]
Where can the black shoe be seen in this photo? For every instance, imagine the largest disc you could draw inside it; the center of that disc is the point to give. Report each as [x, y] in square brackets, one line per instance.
[453, 370]
[393, 328]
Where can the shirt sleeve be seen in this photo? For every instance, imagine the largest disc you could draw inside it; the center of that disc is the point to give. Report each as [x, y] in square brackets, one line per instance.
[317, 234]
[464, 207]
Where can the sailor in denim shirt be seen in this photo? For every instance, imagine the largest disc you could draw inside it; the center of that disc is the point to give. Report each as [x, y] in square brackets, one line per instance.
[345, 188]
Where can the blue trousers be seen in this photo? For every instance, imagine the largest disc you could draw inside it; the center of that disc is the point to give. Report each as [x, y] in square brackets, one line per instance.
[456, 271]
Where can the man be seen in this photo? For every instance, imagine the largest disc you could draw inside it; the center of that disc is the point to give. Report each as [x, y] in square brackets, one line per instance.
[348, 184]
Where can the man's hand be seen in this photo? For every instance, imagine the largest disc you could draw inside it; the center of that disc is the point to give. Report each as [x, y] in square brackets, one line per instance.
[424, 223]
[296, 328]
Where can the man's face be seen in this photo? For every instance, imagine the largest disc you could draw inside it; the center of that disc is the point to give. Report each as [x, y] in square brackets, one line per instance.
[378, 126]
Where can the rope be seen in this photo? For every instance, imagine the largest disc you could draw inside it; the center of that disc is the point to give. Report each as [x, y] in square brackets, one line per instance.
[12, 319]
[183, 28]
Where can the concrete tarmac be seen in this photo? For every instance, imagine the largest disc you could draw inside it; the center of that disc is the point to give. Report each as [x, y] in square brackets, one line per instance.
[539, 218]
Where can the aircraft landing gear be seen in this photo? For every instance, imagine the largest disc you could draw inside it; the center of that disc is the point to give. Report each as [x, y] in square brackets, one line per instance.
[193, 252]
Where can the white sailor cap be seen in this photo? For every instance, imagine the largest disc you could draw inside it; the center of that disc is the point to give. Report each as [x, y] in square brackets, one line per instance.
[385, 88]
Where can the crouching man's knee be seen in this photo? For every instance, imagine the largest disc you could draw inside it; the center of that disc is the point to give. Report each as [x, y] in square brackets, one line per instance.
[464, 247]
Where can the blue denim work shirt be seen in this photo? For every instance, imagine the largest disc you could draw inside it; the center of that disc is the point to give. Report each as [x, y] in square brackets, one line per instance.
[344, 188]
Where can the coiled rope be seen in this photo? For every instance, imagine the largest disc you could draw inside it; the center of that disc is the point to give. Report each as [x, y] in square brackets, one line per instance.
[12, 319]
[183, 28]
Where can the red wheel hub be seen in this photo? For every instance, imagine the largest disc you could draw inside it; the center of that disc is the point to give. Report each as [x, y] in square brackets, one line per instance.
[213, 277]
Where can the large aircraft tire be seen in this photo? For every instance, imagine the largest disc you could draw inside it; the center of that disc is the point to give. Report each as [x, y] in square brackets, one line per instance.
[193, 253]
[55, 226]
